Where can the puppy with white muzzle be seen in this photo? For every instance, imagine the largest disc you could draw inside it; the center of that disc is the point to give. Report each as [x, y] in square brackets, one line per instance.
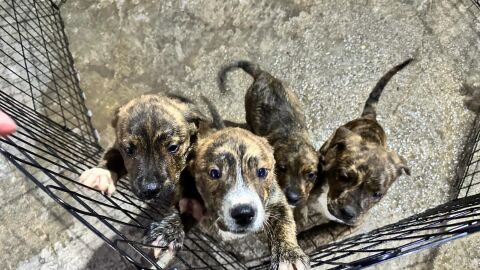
[233, 172]
[274, 111]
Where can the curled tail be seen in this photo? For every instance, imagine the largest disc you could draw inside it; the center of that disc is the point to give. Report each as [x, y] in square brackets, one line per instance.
[249, 67]
[217, 120]
[371, 103]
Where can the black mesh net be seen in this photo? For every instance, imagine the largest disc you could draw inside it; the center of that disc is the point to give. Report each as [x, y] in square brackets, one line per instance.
[468, 177]
[55, 142]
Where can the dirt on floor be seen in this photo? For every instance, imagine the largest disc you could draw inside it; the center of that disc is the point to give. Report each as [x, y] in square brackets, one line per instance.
[330, 52]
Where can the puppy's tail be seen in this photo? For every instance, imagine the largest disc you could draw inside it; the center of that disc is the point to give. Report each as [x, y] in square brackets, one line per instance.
[217, 119]
[249, 67]
[371, 103]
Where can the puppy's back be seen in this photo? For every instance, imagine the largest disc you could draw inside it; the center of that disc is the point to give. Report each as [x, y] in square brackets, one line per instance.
[271, 109]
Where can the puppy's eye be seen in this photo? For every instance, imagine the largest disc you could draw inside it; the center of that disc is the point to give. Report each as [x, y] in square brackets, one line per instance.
[377, 195]
[343, 177]
[312, 175]
[173, 148]
[262, 172]
[215, 174]
[281, 168]
[130, 150]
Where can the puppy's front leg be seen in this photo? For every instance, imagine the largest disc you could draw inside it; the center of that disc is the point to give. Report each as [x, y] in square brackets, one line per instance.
[104, 177]
[301, 217]
[281, 231]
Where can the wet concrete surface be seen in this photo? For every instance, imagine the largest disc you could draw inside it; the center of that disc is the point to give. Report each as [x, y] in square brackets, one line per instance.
[330, 52]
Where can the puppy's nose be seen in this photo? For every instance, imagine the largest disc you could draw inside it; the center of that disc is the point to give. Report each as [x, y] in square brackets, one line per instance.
[243, 214]
[348, 212]
[150, 190]
[292, 197]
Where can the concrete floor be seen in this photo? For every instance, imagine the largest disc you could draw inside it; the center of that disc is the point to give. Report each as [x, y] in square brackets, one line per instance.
[330, 52]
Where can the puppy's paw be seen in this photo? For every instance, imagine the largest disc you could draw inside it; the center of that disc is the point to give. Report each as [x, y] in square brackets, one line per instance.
[166, 241]
[291, 260]
[167, 236]
[298, 264]
[164, 256]
[100, 179]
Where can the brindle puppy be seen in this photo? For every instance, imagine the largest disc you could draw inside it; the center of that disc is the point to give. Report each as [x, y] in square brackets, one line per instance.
[167, 235]
[233, 171]
[356, 168]
[274, 112]
[154, 135]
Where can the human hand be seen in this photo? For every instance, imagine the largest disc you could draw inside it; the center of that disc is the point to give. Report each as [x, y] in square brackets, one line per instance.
[7, 125]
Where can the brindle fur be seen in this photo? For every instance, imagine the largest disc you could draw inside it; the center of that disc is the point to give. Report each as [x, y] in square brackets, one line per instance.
[225, 149]
[275, 112]
[253, 152]
[167, 235]
[145, 127]
[356, 168]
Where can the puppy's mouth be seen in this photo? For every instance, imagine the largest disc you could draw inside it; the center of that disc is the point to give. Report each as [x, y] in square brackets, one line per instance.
[300, 203]
[350, 221]
[239, 231]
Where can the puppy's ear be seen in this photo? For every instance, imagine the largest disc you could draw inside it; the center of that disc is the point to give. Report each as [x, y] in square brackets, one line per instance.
[345, 135]
[194, 118]
[339, 141]
[400, 163]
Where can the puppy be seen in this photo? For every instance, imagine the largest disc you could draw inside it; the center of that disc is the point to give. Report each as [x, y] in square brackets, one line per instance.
[356, 168]
[154, 135]
[165, 237]
[274, 112]
[233, 172]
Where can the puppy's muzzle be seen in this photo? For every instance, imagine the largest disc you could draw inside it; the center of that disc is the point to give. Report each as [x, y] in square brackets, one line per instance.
[148, 190]
[293, 197]
[346, 213]
[243, 215]
[242, 211]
